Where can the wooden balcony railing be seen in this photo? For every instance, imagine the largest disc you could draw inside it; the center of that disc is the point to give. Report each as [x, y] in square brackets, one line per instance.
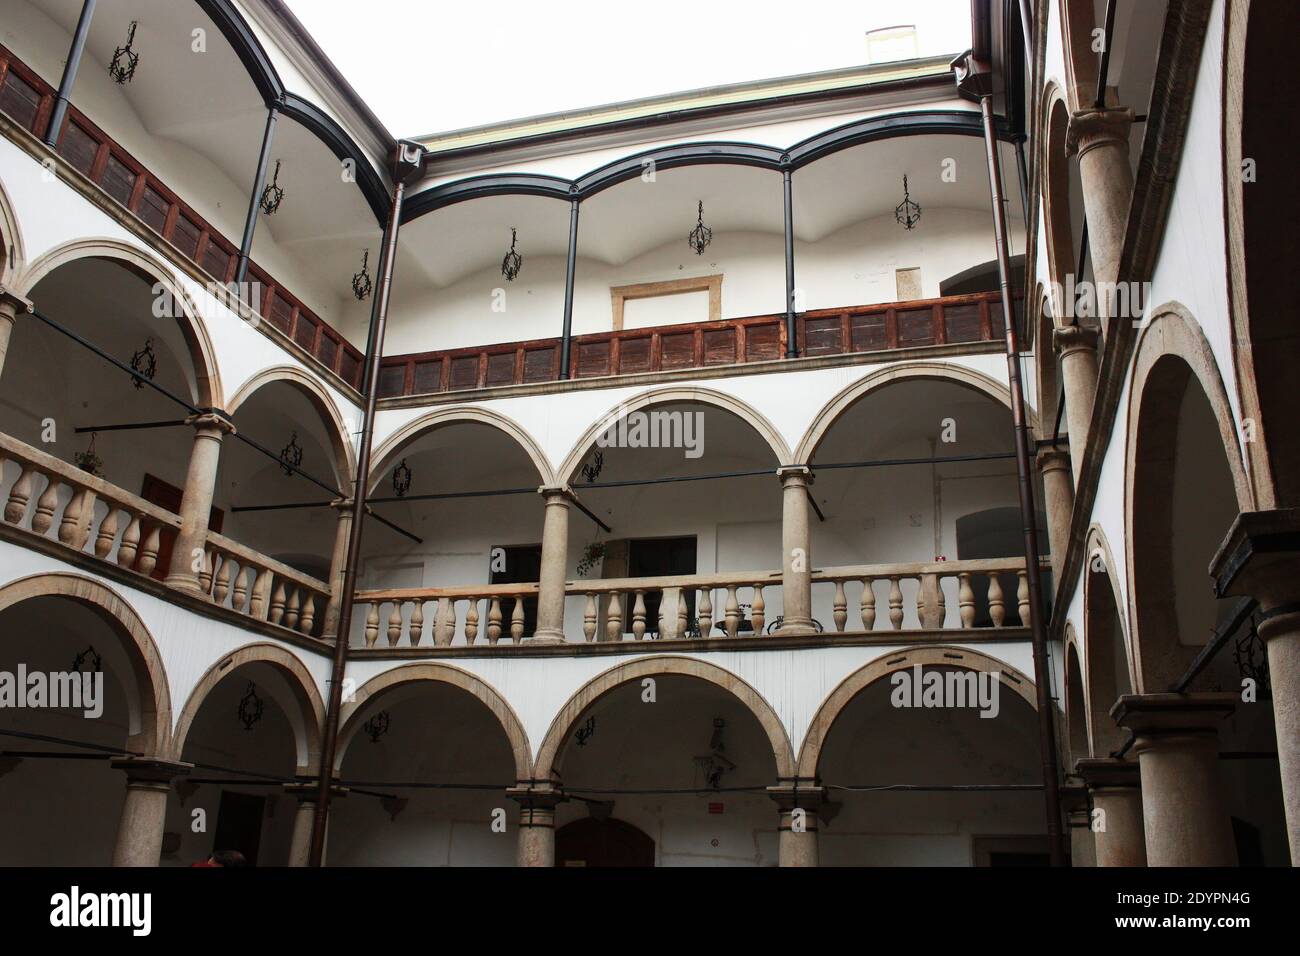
[28, 101]
[761, 338]
[972, 596]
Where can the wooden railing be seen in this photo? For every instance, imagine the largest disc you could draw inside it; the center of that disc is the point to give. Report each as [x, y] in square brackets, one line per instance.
[86, 514]
[759, 338]
[947, 595]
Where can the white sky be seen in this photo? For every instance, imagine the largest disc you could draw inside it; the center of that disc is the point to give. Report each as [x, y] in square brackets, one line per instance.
[425, 66]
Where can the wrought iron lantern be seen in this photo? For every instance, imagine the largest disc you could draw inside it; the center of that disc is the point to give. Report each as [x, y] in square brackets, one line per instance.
[91, 655]
[1252, 658]
[272, 195]
[377, 726]
[592, 471]
[401, 479]
[251, 707]
[144, 364]
[291, 455]
[125, 60]
[513, 261]
[700, 237]
[585, 732]
[361, 284]
[907, 213]
[88, 461]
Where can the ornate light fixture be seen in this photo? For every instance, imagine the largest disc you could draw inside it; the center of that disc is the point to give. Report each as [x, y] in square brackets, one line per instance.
[88, 461]
[361, 285]
[585, 732]
[250, 707]
[291, 455]
[272, 195]
[592, 471]
[402, 479]
[144, 363]
[1252, 658]
[377, 725]
[125, 60]
[700, 237]
[89, 654]
[907, 213]
[513, 261]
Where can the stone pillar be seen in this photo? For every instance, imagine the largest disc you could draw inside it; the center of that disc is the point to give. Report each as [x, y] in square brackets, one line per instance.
[1083, 849]
[144, 814]
[536, 823]
[796, 550]
[1077, 347]
[338, 560]
[1058, 501]
[11, 306]
[196, 501]
[555, 561]
[1100, 139]
[1260, 558]
[300, 845]
[1184, 815]
[1114, 785]
[799, 809]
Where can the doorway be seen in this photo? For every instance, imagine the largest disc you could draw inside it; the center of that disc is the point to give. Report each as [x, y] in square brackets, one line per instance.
[522, 565]
[607, 842]
[239, 824]
[661, 557]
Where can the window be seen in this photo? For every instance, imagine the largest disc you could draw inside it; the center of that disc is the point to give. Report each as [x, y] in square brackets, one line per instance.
[20, 100]
[78, 148]
[153, 209]
[523, 565]
[118, 180]
[706, 290]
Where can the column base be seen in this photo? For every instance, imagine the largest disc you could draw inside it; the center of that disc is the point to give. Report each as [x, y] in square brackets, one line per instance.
[545, 636]
[1115, 786]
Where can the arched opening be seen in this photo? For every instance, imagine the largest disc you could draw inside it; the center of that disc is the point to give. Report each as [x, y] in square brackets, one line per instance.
[1107, 653]
[1076, 713]
[603, 842]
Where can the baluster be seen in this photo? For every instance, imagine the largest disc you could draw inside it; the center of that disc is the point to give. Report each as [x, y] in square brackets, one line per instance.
[70, 525]
[589, 617]
[638, 616]
[683, 617]
[107, 533]
[243, 581]
[929, 602]
[395, 624]
[130, 545]
[867, 605]
[895, 604]
[706, 612]
[415, 630]
[277, 603]
[222, 586]
[966, 600]
[257, 607]
[841, 608]
[372, 624]
[445, 630]
[210, 558]
[149, 550]
[757, 613]
[517, 620]
[1022, 597]
[291, 609]
[19, 495]
[614, 618]
[308, 617]
[45, 506]
[732, 611]
[471, 621]
[997, 609]
[494, 620]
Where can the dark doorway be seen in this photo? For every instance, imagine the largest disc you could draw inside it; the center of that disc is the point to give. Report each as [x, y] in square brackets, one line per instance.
[608, 842]
[168, 496]
[239, 824]
[995, 533]
[523, 565]
[660, 557]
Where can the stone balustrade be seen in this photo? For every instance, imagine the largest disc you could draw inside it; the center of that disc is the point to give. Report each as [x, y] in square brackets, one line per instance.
[489, 612]
[239, 578]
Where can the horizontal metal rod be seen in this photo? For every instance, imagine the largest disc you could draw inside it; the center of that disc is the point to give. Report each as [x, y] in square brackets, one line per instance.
[813, 501]
[288, 506]
[45, 738]
[284, 464]
[129, 426]
[1240, 613]
[402, 531]
[934, 788]
[588, 512]
[55, 755]
[771, 472]
[890, 462]
[457, 494]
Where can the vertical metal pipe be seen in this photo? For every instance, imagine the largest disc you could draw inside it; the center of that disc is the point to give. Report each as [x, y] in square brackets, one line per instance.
[791, 345]
[69, 73]
[1028, 509]
[1023, 170]
[378, 322]
[1103, 67]
[1027, 28]
[255, 200]
[566, 336]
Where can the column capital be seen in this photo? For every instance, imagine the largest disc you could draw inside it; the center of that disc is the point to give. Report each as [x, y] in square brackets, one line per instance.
[12, 304]
[1072, 338]
[795, 475]
[344, 505]
[1156, 715]
[1053, 458]
[557, 493]
[150, 771]
[789, 796]
[1258, 559]
[537, 798]
[1107, 773]
[1095, 127]
[306, 790]
[211, 419]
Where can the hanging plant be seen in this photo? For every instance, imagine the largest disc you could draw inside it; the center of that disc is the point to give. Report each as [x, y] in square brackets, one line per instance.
[88, 461]
[592, 554]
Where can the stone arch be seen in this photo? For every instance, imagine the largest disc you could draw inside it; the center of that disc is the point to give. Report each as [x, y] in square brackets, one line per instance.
[938, 371]
[1171, 355]
[14, 257]
[297, 695]
[1104, 608]
[202, 354]
[345, 465]
[147, 692]
[1055, 160]
[387, 452]
[880, 668]
[1077, 18]
[1076, 737]
[1047, 366]
[660, 666]
[349, 719]
[668, 395]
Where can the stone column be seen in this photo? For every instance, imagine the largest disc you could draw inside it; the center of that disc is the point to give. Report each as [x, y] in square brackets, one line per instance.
[1077, 347]
[343, 509]
[1058, 501]
[799, 809]
[536, 823]
[196, 501]
[1114, 785]
[1260, 558]
[11, 306]
[1100, 139]
[555, 561]
[305, 792]
[1184, 814]
[144, 814]
[796, 551]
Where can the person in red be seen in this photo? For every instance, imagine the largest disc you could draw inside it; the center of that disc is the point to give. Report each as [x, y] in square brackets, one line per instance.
[223, 858]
